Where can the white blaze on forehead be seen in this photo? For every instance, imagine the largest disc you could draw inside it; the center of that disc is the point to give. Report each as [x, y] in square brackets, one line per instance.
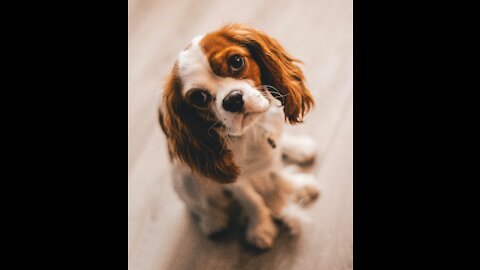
[194, 69]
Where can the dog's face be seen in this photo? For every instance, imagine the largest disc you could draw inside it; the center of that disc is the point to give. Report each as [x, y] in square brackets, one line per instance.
[222, 81]
[220, 85]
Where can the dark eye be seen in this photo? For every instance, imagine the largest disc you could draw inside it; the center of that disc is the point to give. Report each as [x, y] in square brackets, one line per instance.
[199, 98]
[236, 62]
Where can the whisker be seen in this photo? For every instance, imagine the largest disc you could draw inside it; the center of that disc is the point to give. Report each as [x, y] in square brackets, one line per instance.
[210, 128]
[274, 92]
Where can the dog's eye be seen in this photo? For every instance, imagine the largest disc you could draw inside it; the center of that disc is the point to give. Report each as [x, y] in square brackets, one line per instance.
[236, 62]
[200, 98]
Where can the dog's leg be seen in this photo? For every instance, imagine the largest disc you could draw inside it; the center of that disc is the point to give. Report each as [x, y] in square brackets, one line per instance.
[292, 191]
[298, 149]
[304, 185]
[261, 231]
[293, 217]
[206, 202]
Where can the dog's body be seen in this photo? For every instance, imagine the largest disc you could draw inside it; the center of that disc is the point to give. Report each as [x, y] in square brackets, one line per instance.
[239, 160]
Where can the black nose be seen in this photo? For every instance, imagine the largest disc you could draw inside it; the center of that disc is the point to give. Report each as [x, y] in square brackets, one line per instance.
[233, 102]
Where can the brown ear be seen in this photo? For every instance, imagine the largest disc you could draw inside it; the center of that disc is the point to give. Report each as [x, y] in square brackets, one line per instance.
[189, 139]
[278, 69]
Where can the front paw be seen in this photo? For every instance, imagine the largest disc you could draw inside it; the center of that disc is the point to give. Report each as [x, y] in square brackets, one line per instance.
[307, 189]
[262, 235]
[293, 225]
[306, 195]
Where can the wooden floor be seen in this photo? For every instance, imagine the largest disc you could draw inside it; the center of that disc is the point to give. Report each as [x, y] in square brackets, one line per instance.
[160, 233]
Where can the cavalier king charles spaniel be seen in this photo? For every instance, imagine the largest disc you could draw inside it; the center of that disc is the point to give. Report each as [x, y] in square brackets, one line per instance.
[223, 109]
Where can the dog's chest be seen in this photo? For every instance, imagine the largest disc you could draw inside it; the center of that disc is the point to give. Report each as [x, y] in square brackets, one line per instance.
[255, 154]
[259, 149]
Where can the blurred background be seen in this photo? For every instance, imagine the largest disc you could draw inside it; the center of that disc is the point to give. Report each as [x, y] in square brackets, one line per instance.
[161, 235]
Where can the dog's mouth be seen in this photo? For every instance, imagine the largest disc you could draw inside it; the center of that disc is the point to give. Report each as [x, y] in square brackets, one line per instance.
[249, 118]
[241, 123]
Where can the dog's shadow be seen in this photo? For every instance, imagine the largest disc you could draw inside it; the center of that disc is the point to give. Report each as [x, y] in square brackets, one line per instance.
[229, 250]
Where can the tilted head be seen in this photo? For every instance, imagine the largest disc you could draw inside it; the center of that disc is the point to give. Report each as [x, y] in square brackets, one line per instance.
[220, 85]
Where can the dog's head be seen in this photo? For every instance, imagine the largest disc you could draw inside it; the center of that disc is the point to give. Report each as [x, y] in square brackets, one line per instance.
[220, 86]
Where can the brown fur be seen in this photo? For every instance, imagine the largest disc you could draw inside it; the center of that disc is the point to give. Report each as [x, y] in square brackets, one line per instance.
[189, 139]
[219, 48]
[276, 67]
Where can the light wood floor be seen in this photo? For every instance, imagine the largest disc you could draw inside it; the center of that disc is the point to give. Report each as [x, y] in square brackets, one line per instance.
[160, 233]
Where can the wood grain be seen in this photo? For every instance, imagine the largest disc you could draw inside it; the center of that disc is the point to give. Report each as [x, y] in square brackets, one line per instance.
[160, 233]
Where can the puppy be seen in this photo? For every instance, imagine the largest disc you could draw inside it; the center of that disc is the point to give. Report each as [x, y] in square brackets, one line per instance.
[223, 109]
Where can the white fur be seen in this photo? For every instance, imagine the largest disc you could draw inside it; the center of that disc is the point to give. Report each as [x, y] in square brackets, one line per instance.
[299, 148]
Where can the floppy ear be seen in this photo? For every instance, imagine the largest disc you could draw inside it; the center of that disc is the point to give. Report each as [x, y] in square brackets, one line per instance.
[278, 69]
[189, 139]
